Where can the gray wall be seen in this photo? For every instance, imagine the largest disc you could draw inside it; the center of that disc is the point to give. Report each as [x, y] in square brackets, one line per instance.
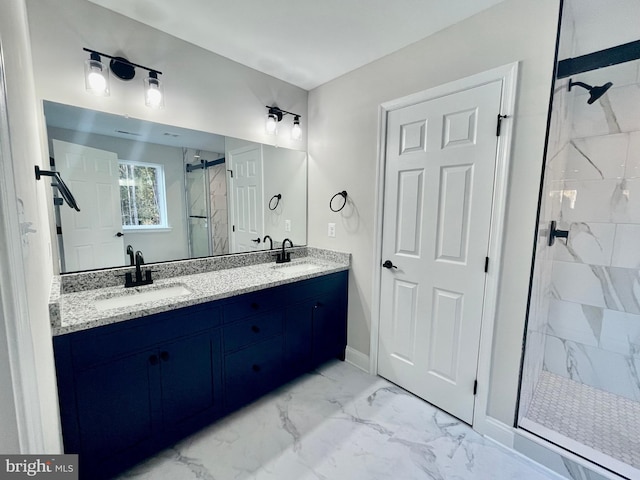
[203, 91]
[343, 137]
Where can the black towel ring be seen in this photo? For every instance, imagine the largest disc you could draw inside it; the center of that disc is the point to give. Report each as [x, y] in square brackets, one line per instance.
[277, 199]
[342, 194]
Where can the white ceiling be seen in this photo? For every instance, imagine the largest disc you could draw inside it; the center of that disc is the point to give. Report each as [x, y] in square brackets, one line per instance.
[303, 42]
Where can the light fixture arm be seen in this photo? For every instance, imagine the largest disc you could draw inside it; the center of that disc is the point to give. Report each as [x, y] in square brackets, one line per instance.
[279, 113]
[123, 60]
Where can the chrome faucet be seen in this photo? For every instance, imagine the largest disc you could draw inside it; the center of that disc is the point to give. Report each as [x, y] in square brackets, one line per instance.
[128, 277]
[270, 241]
[284, 257]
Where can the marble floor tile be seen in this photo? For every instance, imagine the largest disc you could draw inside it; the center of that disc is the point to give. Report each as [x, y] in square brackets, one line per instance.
[338, 423]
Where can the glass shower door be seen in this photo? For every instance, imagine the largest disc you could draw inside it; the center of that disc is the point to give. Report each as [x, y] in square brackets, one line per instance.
[197, 189]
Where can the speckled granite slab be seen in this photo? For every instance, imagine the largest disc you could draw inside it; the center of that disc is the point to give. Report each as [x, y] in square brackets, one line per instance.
[111, 277]
[81, 310]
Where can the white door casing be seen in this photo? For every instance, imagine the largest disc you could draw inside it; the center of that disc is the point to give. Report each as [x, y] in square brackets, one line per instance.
[247, 203]
[438, 239]
[90, 237]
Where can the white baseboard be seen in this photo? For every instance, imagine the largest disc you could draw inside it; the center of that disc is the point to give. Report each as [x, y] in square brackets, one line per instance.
[357, 359]
[495, 430]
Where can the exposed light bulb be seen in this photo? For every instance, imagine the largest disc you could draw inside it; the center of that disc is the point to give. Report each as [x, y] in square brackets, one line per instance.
[154, 96]
[96, 76]
[97, 82]
[272, 124]
[296, 131]
[153, 92]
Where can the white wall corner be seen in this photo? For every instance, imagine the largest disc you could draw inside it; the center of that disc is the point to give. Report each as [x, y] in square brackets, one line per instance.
[357, 359]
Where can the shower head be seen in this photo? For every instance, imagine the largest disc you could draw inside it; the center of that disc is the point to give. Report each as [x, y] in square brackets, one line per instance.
[594, 92]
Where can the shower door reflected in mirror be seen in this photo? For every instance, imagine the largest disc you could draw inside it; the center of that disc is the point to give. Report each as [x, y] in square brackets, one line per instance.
[206, 191]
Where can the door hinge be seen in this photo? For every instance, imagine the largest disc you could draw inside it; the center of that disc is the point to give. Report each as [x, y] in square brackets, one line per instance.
[486, 264]
[499, 125]
[233, 228]
[52, 162]
[475, 387]
[230, 172]
[58, 230]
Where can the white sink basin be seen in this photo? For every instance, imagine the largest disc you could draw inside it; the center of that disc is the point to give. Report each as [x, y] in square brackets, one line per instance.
[302, 267]
[133, 297]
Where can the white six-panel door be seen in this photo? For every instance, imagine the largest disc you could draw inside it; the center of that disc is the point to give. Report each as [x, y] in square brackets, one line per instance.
[90, 237]
[247, 202]
[439, 180]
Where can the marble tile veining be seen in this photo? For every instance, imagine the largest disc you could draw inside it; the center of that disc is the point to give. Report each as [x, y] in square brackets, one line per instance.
[602, 369]
[338, 423]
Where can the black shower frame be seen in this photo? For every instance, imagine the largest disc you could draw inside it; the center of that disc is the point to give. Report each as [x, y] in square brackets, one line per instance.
[627, 52]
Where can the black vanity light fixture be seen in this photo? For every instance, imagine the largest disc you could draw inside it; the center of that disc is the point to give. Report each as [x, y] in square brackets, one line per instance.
[275, 115]
[96, 75]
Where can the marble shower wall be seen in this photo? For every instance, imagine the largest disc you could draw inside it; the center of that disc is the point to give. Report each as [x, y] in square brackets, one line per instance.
[219, 215]
[593, 321]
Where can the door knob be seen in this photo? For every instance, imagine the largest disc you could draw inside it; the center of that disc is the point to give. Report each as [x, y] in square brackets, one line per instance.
[388, 264]
[256, 240]
[119, 234]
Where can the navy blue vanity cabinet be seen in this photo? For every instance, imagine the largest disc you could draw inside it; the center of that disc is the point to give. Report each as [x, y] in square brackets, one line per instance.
[253, 345]
[316, 322]
[129, 389]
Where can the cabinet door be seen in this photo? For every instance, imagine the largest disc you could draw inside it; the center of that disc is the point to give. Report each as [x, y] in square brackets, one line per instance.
[329, 315]
[191, 377]
[298, 338]
[118, 404]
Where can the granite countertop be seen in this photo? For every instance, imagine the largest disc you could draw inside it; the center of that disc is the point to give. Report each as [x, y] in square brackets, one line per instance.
[71, 312]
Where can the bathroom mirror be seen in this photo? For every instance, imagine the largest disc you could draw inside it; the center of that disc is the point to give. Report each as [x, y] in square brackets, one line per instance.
[170, 192]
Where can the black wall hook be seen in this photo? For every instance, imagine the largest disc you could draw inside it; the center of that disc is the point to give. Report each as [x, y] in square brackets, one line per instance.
[342, 194]
[62, 187]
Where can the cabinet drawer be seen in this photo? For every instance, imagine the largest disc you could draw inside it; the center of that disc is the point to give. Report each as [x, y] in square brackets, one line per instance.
[253, 371]
[105, 343]
[253, 303]
[309, 289]
[252, 330]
